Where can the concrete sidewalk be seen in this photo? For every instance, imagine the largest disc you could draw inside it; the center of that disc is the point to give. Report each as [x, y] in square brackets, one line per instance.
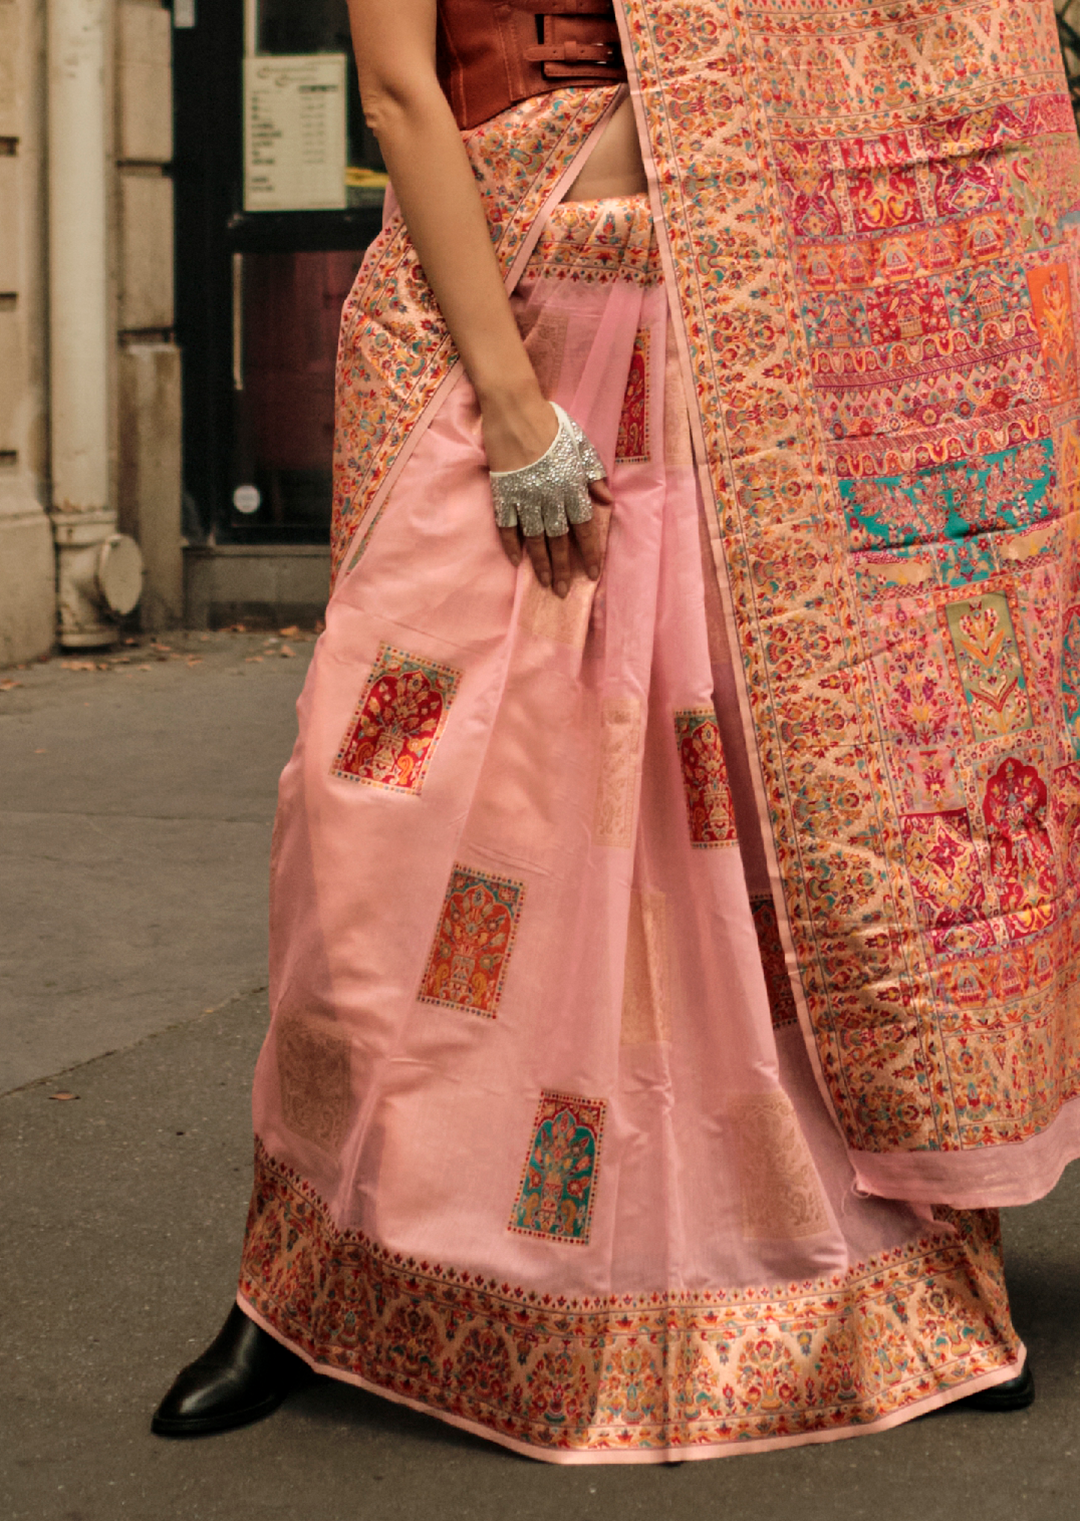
[123, 1205]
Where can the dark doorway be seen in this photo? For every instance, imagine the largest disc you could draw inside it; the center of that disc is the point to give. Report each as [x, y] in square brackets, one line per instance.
[259, 292]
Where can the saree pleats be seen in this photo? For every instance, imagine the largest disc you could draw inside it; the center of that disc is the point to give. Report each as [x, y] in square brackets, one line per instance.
[541, 1150]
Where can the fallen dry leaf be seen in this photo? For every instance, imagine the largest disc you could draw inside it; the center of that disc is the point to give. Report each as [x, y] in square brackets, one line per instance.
[63, 1097]
[78, 665]
[194, 660]
[253, 660]
[292, 632]
[131, 641]
[9, 686]
[143, 668]
[41, 752]
[162, 649]
[286, 652]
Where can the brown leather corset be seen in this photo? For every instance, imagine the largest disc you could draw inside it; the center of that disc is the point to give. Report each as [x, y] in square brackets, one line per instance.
[493, 53]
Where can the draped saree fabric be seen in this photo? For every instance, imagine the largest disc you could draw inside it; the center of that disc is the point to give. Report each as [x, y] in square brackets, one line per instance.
[871, 220]
[638, 960]
[534, 1154]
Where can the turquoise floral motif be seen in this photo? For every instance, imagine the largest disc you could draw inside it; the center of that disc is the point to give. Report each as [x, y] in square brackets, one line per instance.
[1008, 489]
[559, 1182]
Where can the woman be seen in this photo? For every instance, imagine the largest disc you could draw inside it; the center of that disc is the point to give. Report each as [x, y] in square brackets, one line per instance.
[655, 1033]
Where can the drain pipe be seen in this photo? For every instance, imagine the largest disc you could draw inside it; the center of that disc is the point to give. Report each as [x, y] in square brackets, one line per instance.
[99, 571]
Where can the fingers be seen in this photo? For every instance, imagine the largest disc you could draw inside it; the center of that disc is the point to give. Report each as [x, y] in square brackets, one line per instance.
[511, 543]
[590, 548]
[601, 492]
[537, 550]
[559, 549]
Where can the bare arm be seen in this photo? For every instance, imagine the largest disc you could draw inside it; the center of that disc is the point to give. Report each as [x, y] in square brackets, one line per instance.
[434, 183]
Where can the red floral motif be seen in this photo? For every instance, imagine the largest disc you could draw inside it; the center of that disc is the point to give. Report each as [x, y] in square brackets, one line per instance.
[906, 311]
[632, 446]
[944, 864]
[1021, 855]
[709, 806]
[472, 945]
[398, 722]
[650, 1372]
[885, 198]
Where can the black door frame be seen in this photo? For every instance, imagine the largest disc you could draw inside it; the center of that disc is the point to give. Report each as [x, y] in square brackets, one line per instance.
[211, 225]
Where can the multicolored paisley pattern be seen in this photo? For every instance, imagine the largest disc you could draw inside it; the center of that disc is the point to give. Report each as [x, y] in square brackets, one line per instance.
[624, 1374]
[871, 220]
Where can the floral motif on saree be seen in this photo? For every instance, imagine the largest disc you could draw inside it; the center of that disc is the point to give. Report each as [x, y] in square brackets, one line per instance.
[632, 445]
[472, 945]
[314, 1064]
[709, 807]
[620, 762]
[558, 1183]
[782, 1195]
[399, 718]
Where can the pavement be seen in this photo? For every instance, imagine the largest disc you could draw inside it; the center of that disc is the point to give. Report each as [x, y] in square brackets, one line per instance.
[135, 810]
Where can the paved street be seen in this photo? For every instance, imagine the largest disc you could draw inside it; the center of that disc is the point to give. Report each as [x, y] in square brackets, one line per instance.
[135, 810]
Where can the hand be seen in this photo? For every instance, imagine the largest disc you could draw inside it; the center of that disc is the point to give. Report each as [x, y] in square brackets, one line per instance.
[518, 436]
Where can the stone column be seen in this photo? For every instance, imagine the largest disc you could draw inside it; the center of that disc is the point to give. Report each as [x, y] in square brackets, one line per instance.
[27, 570]
[149, 478]
[98, 570]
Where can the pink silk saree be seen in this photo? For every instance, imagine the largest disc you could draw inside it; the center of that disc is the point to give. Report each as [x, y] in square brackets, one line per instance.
[623, 991]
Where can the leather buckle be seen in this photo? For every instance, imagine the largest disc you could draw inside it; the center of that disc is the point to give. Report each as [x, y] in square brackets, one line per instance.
[572, 52]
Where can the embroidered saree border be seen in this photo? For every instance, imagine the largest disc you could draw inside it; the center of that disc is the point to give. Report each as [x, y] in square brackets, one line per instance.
[394, 353]
[630, 1374]
[862, 208]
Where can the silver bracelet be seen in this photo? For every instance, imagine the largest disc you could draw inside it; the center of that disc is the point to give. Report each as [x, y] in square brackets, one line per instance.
[553, 492]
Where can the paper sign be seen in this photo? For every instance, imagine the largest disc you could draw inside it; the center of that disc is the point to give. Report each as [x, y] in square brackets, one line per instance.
[294, 132]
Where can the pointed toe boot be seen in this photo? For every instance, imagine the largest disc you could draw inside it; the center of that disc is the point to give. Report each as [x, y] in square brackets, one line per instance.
[1014, 1394]
[242, 1377]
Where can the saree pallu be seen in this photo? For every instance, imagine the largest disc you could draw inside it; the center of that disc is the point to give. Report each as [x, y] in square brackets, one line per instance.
[537, 1153]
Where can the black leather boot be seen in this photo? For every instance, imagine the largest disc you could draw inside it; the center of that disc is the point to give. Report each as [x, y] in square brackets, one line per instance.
[1014, 1394]
[243, 1375]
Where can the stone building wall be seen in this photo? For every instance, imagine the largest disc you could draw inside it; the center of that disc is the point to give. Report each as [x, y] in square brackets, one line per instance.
[27, 570]
[141, 376]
